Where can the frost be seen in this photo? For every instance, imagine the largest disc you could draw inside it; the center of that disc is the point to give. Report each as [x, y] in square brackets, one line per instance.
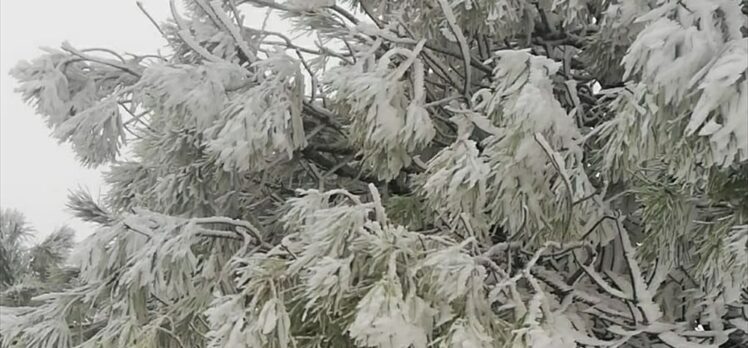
[522, 103]
[390, 126]
[698, 51]
[381, 320]
[460, 173]
[194, 95]
[456, 179]
[464, 333]
[450, 266]
[725, 93]
[96, 133]
[311, 5]
[81, 108]
[258, 124]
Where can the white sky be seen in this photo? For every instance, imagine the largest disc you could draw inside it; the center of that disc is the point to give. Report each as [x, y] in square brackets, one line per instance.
[36, 172]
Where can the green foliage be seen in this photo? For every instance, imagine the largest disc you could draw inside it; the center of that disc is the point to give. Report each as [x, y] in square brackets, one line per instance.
[415, 174]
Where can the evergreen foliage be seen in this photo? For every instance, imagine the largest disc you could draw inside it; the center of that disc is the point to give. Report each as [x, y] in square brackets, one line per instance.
[31, 270]
[423, 173]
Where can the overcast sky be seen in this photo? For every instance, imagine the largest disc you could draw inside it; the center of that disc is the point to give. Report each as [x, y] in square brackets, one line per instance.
[35, 171]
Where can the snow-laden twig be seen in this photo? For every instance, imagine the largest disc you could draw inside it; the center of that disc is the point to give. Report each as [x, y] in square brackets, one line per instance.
[249, 227]
[68, 48]
[464, 47]
[187, 38]
[558, 165]
[233, 30]
[641, 294]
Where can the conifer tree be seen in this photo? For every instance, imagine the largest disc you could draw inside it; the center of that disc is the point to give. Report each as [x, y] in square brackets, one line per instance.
[28, 270]
[15, 231]
[424, 173]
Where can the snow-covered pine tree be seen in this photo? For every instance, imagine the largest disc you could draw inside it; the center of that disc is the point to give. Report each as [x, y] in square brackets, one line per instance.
[15, 231]
[423, 173]
[28, 271]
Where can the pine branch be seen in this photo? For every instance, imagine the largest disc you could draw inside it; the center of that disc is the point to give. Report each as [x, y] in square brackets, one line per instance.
[68, 48]
[85, 208]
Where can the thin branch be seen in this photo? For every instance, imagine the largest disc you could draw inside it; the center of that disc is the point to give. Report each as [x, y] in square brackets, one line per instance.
[488, 263]
[467, 224]
[206, 8]
[206, 232]
[273, 5]
[137, 231]
[341, 11]
[571, 90]
[346, 194]
[284, 247]
[150, 18]
[136, 117]
[107, 51]
[569, 194]
[312, 77]
[290, 45]
[585, 198]
[601, 283]
[229, 221]
[378, 207]
[68, 48]
[235, 10]
[323, 115]
[526, 271]
[144, 56]
[464, 47]
[473, 61]
[597, 223]
[433, 62]
[523, 224]
[171, 334]
[440, 101]
[570, 247]
[371, 16]
[638, 286]
[335, 168]
[233, 30]
[496, 249]
[187, 38]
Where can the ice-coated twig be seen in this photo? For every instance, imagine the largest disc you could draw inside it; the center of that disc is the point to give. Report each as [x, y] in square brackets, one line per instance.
[464, 47]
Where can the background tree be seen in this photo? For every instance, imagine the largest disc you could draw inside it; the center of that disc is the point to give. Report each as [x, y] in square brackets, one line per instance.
[423, 173]
[32, 269]
[14, 233]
